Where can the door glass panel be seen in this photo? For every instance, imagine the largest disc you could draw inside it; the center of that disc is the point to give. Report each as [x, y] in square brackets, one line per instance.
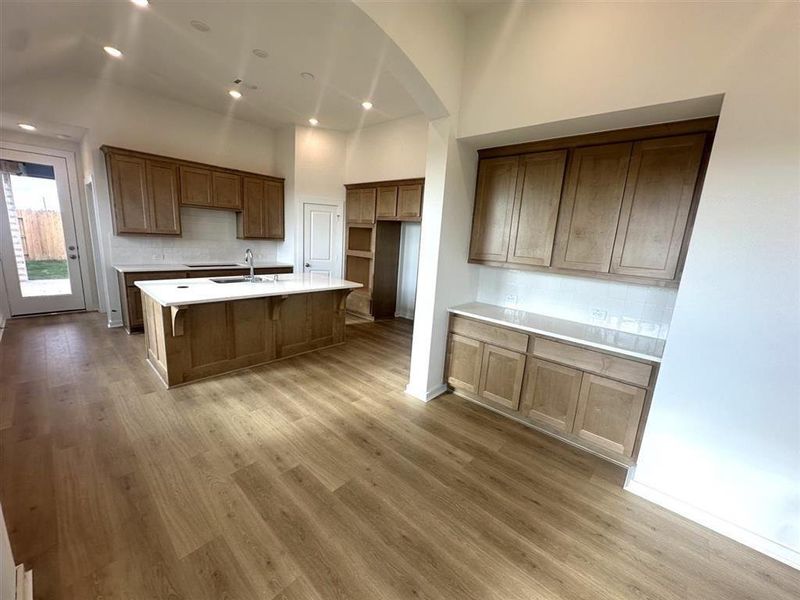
[37, 232]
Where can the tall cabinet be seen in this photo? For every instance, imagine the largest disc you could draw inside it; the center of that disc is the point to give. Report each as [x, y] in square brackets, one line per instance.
[616, 205]
[374, 213]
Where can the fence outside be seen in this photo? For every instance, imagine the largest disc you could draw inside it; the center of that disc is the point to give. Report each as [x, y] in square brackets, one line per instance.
[42, 234]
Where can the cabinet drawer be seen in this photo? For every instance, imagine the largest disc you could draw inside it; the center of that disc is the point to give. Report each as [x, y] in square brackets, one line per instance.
[596, 362]
[513, 340]
[131, 278]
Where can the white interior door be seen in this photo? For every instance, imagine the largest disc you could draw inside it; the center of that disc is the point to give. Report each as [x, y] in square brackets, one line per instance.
[322, 239]
[38, 244]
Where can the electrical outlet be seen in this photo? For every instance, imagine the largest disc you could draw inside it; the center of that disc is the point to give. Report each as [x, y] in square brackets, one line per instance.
[511, 298]
[599, 314]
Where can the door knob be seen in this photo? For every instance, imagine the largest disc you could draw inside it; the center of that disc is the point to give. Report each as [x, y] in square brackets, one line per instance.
[308, 264]
[73, 256]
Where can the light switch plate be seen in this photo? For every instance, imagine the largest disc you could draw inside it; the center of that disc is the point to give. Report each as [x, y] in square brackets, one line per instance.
[511, 298]
[599, 314]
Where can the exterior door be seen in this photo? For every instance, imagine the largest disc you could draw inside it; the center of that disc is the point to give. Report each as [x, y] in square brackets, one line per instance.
[322, 239]
[38, 241]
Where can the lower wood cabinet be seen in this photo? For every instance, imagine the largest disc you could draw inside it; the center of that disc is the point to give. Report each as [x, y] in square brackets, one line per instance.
[608, 413]
[501, 375]
[464, 362]
[569, 398]
[550, 393]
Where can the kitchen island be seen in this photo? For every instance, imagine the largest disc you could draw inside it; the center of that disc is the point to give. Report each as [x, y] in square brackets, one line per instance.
[197, 328]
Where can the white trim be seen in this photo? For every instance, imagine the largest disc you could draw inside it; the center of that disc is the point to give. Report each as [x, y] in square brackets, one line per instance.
[761, 544]
[429, 395]
[114, 323]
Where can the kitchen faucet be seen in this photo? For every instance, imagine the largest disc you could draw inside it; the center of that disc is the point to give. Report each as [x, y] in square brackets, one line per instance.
[248, 259]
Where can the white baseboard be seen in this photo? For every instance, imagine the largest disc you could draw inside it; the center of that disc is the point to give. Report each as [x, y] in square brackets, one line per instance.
[403, 315]
[761, 544]
[429, 395]
[114, 323]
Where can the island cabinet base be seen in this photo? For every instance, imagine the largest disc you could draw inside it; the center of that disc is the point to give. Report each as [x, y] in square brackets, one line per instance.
[187, 343]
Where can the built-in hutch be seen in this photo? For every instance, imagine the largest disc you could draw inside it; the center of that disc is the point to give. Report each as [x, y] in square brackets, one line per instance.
[374, 213]
[148, 190]
[616, 205]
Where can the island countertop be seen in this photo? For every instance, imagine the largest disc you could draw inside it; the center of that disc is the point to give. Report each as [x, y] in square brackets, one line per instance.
[183, 292]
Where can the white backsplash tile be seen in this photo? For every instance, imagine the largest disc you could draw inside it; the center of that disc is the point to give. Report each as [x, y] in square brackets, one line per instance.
[646, 310]
[207, 236]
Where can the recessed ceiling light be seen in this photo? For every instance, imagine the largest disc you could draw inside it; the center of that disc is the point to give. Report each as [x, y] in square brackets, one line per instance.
[111, 51]
[235, 94]
[141, 3]
[313, 121]
[260, 53]
[26, 126]
[200, 26]
[307, 76]
[366, 104]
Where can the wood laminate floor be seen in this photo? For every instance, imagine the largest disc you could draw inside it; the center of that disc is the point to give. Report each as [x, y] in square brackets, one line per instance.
[317, 478]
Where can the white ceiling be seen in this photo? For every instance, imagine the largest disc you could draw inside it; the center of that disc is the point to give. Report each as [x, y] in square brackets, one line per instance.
[164, 55]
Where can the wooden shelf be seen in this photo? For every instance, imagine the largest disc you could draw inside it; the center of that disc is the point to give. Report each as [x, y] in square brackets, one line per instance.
[360, 253]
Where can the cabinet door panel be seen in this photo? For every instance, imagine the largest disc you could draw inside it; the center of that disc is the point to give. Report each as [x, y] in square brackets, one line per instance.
[550, 393]
[195, 186]
[494, 202]
[589, 212]
[135, 316]
[226, 190]
[274, 210]
[608, 413]
[655, 208]
[129, 186]
[353, 206]
[464, 362]
[387, 203]
[533, 225]
[162, 184]
[368, 205]
[252, 217]
[409, 201]
[501, 376]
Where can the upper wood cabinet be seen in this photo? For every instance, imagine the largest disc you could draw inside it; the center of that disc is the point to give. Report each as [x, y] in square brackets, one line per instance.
[656, 206]
[196, 186]
[262, 209]
[208, 188]
[148, 190]
[494, 203]
[613, 205]
[538, 193]
[144, 195]
[162, 186]
[409, 201]
[226, 190]
[387, 202]
[590, 207]
[361, 205]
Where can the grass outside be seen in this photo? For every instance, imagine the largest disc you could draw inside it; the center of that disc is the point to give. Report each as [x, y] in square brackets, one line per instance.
[47, 269]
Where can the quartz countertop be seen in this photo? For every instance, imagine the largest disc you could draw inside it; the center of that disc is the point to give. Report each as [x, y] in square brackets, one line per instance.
[200, 290]
[154, 268]
[620, 342]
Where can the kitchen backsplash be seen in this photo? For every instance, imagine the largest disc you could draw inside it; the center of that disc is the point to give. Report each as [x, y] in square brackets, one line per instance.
[207, 235]
[645, 310]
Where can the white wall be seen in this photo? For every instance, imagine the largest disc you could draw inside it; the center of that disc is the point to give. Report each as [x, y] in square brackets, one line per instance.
[125, 117]
[318, 178]
[7, 565]
[722, 443]
[393, 150]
